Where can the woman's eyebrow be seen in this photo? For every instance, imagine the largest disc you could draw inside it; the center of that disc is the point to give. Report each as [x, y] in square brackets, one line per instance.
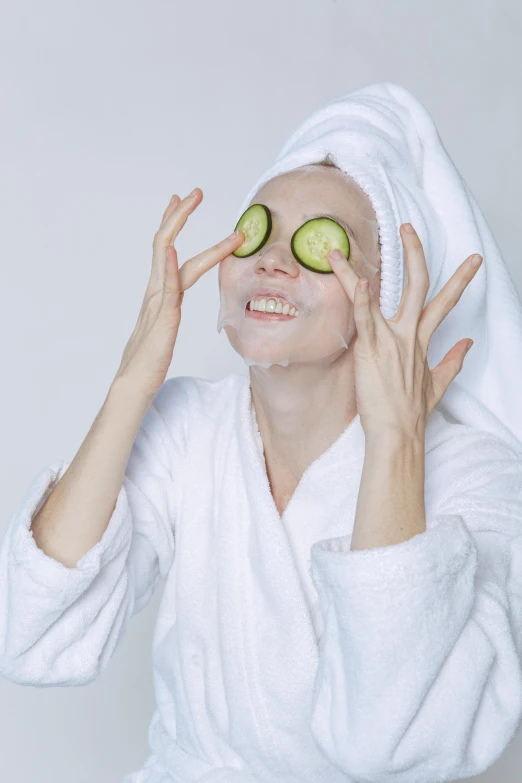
[312, 215]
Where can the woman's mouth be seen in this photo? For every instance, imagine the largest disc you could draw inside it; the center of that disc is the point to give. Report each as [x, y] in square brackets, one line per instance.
[269, 310]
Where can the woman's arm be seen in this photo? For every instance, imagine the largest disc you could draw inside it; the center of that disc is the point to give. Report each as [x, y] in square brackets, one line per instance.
[60, 625]
[76, 513]
[390, 504]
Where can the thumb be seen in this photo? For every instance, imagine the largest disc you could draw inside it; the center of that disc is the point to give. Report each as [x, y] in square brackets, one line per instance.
[448, 368]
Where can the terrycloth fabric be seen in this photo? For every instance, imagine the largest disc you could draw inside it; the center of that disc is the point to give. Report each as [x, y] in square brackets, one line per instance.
[279, 655]
[386, 140]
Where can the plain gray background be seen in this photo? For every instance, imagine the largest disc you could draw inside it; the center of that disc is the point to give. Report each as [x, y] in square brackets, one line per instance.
[107, 109]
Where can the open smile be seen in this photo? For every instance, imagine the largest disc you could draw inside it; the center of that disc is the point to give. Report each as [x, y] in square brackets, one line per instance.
[261, 316]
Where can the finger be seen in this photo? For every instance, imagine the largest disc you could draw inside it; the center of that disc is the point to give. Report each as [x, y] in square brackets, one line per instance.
[172, 294]
[173, 203]
[345, 273]
[448, 369]
[439, 307]
[178, 216]
[166, 234]
[195, 267]
[349, 280]
[364, 319]
[418, 282]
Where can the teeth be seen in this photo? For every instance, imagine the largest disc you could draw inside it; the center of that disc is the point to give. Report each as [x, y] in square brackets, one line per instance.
[271, 305]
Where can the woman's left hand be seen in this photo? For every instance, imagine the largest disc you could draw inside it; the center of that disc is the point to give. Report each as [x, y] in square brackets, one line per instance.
[395, 389]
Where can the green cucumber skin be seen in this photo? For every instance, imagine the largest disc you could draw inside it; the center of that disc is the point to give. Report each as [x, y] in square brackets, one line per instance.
[265, 238]
[302, 262]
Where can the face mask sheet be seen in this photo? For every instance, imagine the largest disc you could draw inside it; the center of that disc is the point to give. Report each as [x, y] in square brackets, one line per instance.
[324, 325]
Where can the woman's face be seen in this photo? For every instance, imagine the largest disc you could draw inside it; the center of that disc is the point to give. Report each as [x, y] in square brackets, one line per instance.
[324, 325]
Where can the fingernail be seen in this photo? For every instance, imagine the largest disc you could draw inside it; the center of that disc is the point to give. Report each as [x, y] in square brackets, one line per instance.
[475, 261]
[336, 254]
[409, 228]
[234, 234]
[469, 345]
[191, 195]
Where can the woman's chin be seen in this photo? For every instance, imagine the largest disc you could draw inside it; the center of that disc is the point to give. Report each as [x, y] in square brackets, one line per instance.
[266, 352]
[267, 356]
[264, 357]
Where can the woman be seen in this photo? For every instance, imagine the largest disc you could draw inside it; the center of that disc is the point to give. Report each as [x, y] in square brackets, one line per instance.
[304, 393]
[344, 603]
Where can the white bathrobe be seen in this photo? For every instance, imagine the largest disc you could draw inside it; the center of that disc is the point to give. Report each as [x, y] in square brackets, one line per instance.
[279, 655]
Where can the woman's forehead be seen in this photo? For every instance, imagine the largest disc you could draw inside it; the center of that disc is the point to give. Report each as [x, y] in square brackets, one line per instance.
[317, 187]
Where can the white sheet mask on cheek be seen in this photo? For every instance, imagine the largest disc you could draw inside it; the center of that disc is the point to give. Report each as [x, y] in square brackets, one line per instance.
[318, 331]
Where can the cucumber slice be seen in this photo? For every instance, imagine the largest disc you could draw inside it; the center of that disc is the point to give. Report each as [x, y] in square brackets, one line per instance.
[312, 242]
[256, 224]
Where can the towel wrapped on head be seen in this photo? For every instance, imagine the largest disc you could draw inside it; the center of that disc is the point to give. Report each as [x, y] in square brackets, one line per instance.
[385, 139]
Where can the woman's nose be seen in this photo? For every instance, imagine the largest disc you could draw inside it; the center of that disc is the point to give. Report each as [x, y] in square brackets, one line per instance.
[277, 257]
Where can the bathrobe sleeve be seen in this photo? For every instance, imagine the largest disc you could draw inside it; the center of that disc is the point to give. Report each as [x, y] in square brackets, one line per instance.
[420, 664]
[60, 625]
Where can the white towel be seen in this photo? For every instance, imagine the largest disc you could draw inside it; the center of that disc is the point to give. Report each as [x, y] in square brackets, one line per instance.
[385, 139]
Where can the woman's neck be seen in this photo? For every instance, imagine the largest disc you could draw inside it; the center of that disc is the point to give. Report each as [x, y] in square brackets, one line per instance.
[301, 410]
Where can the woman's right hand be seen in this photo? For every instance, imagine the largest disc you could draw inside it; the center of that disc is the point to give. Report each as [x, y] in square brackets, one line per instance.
[148, 354]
